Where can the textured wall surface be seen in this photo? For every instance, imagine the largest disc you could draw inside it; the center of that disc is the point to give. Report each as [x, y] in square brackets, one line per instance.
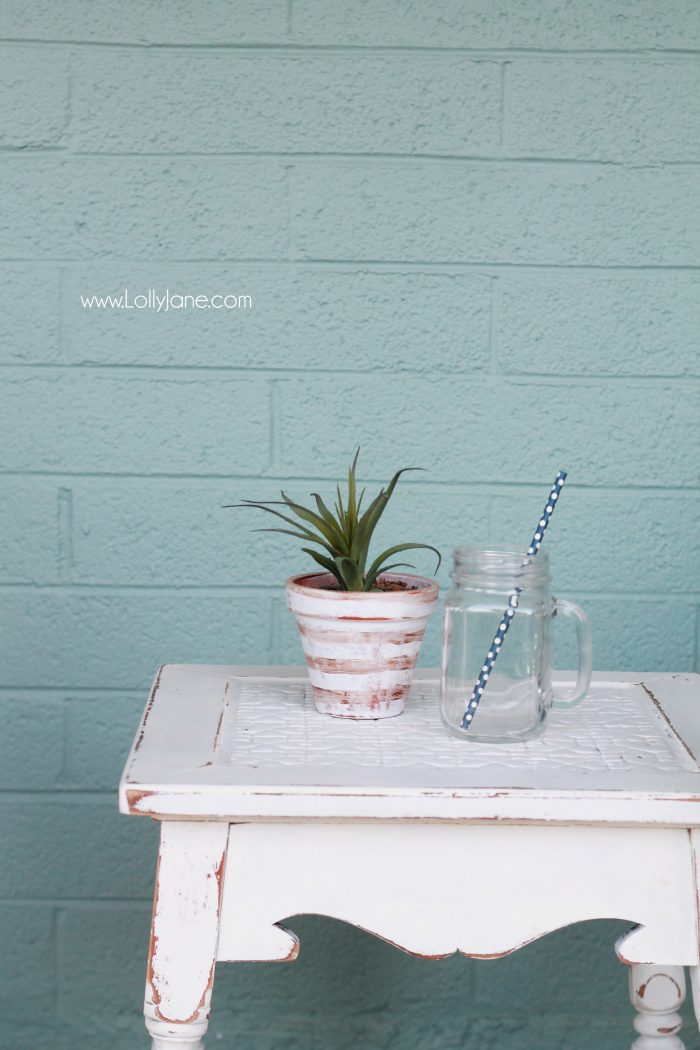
[470, 233]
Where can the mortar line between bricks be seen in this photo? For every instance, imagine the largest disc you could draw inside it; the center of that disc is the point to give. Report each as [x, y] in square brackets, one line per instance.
[504, 111]
[263, 590]
[289, 169]
[30, 151]
[292, 476]
[62, 693]
[430, 375]
[493, 326]
[272, 624]
[490, 508]
[274, 629]
[69, 125]
[56, 914]
[64, 533]
[62, 776]
[60, 318]
[516, 379]
[364, 266]
[410, 265]
[313, 156]
[271, 46]
[471, 264]
[38, 795]
[87, 902]
[274, 430]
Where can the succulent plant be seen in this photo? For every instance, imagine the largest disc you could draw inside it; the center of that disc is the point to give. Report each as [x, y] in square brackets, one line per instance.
[343, 535]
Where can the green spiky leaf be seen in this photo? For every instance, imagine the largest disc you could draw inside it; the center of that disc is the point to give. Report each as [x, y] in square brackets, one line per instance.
[344, 536]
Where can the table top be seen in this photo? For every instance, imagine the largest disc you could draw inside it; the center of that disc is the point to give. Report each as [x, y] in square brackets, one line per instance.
[246, 743]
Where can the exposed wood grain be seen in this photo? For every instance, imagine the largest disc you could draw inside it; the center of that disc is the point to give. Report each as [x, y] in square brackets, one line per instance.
[184, 929]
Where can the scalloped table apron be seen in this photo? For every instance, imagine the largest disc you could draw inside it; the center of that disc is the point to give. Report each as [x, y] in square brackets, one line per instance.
[495, 845]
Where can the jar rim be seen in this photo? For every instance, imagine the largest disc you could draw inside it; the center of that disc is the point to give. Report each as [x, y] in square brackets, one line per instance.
[498, 563]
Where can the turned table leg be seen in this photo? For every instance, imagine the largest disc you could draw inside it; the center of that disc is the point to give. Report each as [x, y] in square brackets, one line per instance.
[657, 993]
[184, 933]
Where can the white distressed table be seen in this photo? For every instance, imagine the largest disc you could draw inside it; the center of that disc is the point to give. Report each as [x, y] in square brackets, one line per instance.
[270, 810]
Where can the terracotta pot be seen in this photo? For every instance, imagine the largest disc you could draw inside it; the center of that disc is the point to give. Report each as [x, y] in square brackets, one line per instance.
[360, 647]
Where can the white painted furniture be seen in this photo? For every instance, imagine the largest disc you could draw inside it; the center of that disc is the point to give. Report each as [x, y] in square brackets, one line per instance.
[270, 810]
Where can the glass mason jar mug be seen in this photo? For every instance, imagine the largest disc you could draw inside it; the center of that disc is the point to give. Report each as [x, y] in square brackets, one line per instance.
[518, 692]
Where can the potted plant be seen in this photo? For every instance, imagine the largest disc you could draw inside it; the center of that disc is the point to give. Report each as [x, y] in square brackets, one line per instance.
[361, 624]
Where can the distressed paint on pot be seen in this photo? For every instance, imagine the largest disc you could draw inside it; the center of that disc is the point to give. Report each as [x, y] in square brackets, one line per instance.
[361, 647]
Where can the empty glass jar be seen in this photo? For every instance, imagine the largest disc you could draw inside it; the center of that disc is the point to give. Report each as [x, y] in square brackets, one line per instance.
[518, 693]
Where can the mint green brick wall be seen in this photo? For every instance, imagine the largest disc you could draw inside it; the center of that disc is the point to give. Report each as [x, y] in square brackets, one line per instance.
[470, 230]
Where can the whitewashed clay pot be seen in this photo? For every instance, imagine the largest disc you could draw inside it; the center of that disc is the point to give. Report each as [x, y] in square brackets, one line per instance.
[361, 647]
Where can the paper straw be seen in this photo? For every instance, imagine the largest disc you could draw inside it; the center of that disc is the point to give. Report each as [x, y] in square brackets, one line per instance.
[491, 656]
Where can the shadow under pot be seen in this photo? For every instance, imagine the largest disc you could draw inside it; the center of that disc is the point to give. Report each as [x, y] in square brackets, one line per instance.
[361, 647]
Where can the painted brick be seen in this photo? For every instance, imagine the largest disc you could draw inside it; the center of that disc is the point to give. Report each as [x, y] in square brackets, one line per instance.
[644, 535]
[113, 977]
[602, 24]
[371, 1031]
[139, 22]
[302, 317]
[74, 848]
[122, 534]
[164, 424]
[474, 1032]
[519, 1031]
[632, 634]
[603, 433]
[134, 207]
[121, 537]
[31, 760]
[26, 935]
[91, 639]
[99, 733]
[351, 103]
[30, 523]
[500, 213]
[34, 89]
[598, 109]
[374, 1028]
[37, 1033]
[602, 324]
[312, 987]
[30, 310]
[548, 973]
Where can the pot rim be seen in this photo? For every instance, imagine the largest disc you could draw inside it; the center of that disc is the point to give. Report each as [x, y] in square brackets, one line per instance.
[422, 588]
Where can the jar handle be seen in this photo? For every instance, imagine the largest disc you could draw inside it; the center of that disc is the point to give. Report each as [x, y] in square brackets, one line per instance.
[585, 651]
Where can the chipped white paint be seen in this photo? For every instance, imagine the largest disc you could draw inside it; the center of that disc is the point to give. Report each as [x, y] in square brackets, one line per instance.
[657, 993]
[400, 829]
[237, 743]
[361, 648]
[695, 970]
[438, 889]
[184, 931]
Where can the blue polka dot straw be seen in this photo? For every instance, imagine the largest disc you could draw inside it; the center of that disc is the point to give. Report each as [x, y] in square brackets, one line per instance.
[507, 619]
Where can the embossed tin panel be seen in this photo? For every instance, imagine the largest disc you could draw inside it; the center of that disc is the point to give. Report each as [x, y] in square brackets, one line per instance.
[248, 743]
